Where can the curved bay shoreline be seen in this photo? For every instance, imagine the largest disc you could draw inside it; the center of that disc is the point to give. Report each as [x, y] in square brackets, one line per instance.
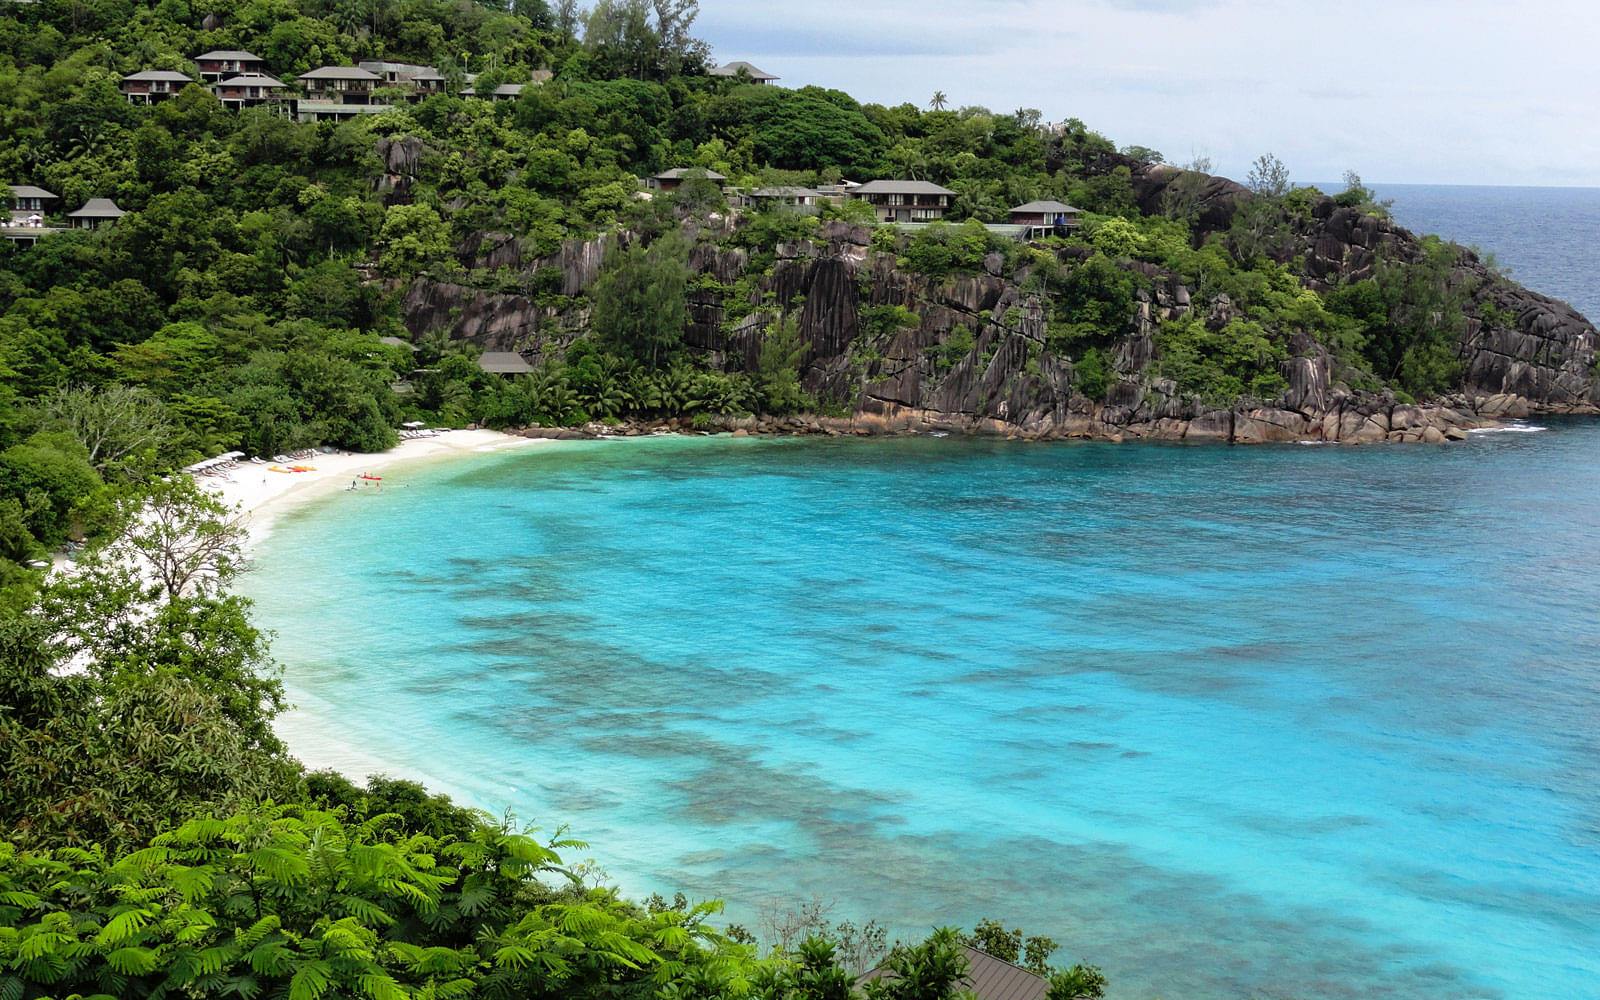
[261, 495]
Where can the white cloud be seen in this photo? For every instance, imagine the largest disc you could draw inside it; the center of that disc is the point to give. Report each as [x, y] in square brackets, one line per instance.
[1402, 91]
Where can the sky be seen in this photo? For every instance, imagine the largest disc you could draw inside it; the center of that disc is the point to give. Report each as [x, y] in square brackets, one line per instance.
[1400, 91]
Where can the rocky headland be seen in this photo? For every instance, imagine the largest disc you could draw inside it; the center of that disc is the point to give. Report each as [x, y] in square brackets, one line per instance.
[1522, 353]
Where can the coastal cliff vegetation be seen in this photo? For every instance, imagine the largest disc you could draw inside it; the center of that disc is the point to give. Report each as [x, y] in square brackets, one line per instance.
[276, 285]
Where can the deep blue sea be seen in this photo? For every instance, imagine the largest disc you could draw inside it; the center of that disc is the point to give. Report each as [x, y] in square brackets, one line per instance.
[1311, 722]
[1549, 238]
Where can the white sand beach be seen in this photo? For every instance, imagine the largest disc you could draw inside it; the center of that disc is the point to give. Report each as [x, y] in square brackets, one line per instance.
[261, 494]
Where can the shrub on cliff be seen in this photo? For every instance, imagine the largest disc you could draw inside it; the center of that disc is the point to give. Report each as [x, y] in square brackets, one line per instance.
[941, 249]
[778, 368]
[414, 239]
[1239, 360]
[1413, 316]
[641, 303]
[1093, 306]
[1093, 375]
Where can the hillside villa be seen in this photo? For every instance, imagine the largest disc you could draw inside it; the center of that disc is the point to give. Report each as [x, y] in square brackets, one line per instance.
[153, 85]
[339, 84]
[220, 63]
[668, 180]
[905, 201]
[1045, 213]
[799, 199]
[29, 203]
[96, 212]
[511, 91]
[31, 206]
[420, 81]
[504, 363]
[248, 90]
[987, 978]
[742, 68]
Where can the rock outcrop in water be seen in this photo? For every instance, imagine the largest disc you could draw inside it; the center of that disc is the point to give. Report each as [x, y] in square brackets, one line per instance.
[1523, 352]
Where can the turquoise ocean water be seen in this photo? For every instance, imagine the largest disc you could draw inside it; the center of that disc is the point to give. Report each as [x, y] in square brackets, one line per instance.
[1229, 722]
[1289, 721]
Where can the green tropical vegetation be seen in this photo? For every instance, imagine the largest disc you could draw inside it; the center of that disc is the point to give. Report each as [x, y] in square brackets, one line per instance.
[160, 840]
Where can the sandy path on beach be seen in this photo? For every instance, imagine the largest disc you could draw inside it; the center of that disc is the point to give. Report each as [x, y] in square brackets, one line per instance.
[260, 494]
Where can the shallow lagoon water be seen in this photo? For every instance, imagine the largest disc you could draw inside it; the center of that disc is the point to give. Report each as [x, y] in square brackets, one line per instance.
[1229, 722]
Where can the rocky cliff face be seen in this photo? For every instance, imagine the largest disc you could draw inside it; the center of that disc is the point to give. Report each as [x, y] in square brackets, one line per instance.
[1545, 354]
[1527, 354]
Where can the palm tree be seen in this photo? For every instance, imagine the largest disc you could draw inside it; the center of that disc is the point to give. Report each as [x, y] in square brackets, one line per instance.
[351, 15]
[939, 101]
[910, 164]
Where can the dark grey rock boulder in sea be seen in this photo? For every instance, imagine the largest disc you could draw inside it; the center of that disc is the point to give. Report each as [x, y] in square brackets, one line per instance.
[1523, 353]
